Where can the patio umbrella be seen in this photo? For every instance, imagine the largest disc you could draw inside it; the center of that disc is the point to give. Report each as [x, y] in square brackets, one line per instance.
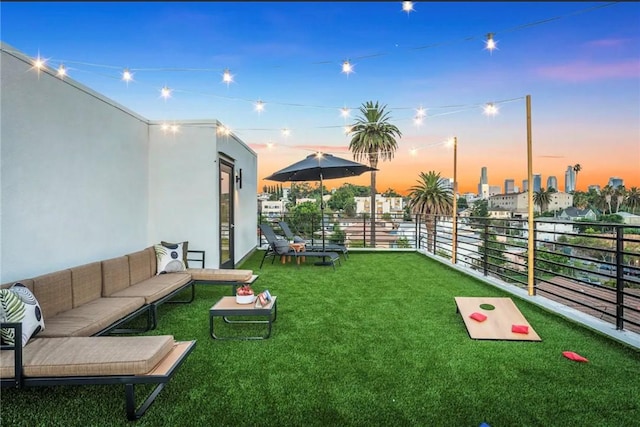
[318, 167]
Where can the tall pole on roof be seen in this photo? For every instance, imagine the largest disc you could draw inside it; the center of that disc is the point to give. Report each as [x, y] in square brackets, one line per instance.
[530, 240]
[454, 233]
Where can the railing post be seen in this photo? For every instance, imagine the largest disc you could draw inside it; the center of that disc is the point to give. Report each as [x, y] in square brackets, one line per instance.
[533, 290]
[619, 277]
[417, 234]
[485, 258]
[435, 232]
[364, 230]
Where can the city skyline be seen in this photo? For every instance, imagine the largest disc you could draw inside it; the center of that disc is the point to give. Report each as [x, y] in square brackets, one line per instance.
[578, 61]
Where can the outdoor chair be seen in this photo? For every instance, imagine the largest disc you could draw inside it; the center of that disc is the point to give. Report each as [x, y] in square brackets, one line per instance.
[279, 247]
[331, 247]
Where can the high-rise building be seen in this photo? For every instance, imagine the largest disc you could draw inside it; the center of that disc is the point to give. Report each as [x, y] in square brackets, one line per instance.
[484, 181]
[483, 176]
[525, 185]
[616, 182]
[552, 182]
[594, 187]
[569, 180]
[537, 182]
[509, 186]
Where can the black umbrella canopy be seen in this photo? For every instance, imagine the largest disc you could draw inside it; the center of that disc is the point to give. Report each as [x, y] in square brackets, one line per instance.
[320, 166]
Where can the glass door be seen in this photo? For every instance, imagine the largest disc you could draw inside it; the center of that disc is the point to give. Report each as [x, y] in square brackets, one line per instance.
[226, 215]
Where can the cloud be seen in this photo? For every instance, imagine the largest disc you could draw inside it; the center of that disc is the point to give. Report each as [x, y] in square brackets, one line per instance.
[582, 71]
[608, 43]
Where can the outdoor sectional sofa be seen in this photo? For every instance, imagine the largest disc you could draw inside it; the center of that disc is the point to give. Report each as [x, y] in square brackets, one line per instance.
[80, 305]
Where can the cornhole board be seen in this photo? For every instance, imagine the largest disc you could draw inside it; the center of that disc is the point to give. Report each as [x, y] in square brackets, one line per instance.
[497, 325]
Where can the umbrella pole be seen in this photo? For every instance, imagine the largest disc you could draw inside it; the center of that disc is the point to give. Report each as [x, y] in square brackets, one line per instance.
[324, 259]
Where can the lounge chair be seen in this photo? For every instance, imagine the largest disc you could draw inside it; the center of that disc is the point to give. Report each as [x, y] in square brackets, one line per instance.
[328, 247]
[279, 247]
[94, 360]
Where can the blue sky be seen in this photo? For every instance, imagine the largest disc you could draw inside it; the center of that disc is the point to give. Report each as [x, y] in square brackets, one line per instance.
[580, 62]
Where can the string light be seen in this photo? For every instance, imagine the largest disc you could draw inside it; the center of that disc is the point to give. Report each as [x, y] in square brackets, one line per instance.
[407, 6]
[127, 75]
[223, 130]
[259, 106]
[491, 44]
[347, 68]
[348, 129]
[286, 132]
[490, 109]
[345, 112]
[62, 71]
[227, 77]
[165, 92]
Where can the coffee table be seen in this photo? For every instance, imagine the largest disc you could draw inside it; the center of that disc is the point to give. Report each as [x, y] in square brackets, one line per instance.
[227, 307]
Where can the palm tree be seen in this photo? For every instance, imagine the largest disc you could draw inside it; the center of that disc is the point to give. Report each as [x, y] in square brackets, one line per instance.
[576, 168]
[542, 199]
[431, 197]
[621, 194]
[606, 194]
[633, 199]
[374, 138]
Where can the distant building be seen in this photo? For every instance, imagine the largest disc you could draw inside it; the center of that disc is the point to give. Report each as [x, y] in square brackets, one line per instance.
[537, 182]
[572, 213]
[273, 209]
[525, 185]
[484, 179]
[552, 182]
[616, 182]
[560, 200]
[483, 191]
[509, 186]
[494, 189]
[390, 205]
[569, 180]
[514, 202]
[628, 218]
[499, 213]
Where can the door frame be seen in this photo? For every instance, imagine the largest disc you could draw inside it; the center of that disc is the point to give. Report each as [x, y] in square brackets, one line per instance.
[226, 170]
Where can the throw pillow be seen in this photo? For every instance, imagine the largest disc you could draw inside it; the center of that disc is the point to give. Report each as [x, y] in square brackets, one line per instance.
[169, 260]
[25, 310]
[185, 250]
[572, 355]
[281, 247]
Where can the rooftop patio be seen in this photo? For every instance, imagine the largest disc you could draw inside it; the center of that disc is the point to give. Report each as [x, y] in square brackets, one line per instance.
[376, 342]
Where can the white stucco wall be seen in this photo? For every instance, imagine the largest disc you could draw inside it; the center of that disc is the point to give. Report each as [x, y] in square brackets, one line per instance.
[73, 173]
[85, 179]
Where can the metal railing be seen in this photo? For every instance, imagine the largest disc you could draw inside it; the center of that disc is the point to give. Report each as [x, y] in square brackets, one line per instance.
[590, 266]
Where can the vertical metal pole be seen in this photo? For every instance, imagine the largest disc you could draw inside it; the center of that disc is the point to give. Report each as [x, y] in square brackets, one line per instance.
[530, 246]
[454, 238]
[619, 278]
[485, 258]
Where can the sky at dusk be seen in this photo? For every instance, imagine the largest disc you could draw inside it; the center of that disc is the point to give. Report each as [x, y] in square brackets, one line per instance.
[579, 61]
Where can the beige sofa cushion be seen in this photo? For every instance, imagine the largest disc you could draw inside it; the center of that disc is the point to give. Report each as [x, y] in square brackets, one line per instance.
[90, 318]
[88, 356]
[86, 283]
[139, 266]
[221, 275]
[156, 287]
[115, 275]
[53, 292]
[154, 261]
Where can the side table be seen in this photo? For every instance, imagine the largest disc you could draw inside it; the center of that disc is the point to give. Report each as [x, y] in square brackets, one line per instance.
[227, 307]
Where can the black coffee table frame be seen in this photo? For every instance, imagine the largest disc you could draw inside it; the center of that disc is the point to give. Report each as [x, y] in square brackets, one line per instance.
[227, 307]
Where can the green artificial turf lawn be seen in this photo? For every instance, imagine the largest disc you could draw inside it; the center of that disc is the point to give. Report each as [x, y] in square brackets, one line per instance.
[377, 342]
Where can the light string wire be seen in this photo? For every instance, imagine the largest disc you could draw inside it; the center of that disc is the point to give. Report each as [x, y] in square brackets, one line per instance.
[292, 104]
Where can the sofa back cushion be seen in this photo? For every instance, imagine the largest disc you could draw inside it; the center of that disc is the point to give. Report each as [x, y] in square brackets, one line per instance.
[86, 283]
[139, 266]
[115, 275]
[152, 257]
[53, 292]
